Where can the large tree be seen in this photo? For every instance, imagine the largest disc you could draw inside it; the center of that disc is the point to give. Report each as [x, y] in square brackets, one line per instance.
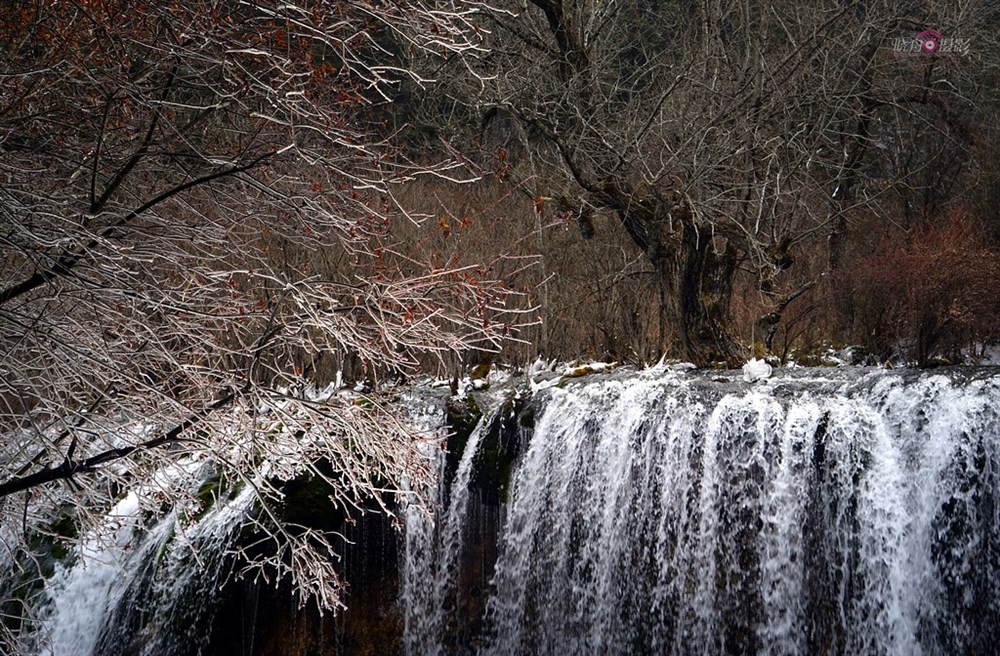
[193, 201]
[724, 135]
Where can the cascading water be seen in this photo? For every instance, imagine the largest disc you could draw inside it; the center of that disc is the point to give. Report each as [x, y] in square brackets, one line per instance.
[141, 587]
[83, 594]
[423, 628]
[656, 512]
[432, 572]
[842, 512]
[151, 581]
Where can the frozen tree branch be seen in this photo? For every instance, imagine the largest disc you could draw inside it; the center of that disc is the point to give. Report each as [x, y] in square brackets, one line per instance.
[195, 204]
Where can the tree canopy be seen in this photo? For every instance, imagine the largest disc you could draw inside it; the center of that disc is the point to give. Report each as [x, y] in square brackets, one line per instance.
[730, 137]
[194, 203]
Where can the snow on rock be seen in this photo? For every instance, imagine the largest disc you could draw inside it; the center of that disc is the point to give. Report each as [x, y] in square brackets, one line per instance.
[539, 385]
[540, 366]
[583, 370]
[755, 370]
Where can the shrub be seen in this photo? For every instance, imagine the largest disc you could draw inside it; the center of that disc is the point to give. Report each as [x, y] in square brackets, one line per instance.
[924, 295]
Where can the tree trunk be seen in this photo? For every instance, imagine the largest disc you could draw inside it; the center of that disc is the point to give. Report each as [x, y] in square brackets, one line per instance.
[696, 284]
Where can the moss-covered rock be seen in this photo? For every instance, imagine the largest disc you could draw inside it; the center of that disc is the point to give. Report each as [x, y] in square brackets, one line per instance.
[217, 486]
[493, 465]
[462, 415]
[46, 548]
[481, 371]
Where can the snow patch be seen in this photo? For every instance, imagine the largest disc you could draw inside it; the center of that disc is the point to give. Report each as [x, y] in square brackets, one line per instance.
[755, 370]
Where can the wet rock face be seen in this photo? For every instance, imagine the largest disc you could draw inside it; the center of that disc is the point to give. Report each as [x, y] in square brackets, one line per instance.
[504, 437]
[254, 617]
[494, 462]
[463, 415]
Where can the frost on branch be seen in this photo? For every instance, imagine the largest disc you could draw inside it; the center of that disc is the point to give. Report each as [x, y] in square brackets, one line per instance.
[194, 207]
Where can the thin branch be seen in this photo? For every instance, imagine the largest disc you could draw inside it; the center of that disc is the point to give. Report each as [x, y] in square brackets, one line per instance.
[69, 468]
[64, 265]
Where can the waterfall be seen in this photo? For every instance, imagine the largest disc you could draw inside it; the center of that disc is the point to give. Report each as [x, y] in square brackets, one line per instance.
[433, 548]
[151, 580]
[844, 511]
[838, 512]
[141, 584]
[83, 594]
